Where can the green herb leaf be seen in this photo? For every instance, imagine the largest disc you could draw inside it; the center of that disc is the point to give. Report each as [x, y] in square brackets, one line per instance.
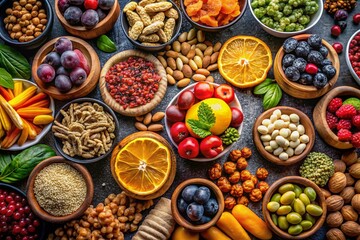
[206, 114]
[14, 62]
[5, 79]
[5, 160]
[272, 96]
[199, 128]
[105, 44]
[263, 87]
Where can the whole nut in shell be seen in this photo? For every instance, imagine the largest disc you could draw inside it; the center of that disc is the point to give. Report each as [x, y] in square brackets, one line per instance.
[347, 194]
[337, 182]
[334, 219]
[325, 192]
[351, 229]
[334, 203]
[357, 186]
[349, 179]
[355, 202]
[339, 166]
[348, 213]
[335, 234]
[355, 170]
[349, 158]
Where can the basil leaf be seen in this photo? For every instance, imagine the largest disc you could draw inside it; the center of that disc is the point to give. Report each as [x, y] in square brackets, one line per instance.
[14, 62]
[263, 87]
[5, 79]
[272, 96]
[105, 44]
[5, 160]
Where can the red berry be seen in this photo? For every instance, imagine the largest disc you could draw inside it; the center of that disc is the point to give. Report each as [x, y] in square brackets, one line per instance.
[331, 120]
[334, 105]
[335, 30]
[344, 124]
[356, 121]
[344, 135]
[311, 68]
[91, 4]
[338, 47]
[346, 111]
[355, 140]
[356, 18]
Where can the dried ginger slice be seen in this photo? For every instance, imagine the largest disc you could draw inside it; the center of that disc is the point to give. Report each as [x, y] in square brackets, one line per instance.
[209, 20]
[194, 8]
[228, 6]
[212, 7]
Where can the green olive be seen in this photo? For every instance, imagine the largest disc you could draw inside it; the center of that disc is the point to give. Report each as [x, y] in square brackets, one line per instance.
[294, 218]
[310, 192]
[314, 210]
[295, 229]
[306, 224]
[274, 218]
[283, 223]
[276, 197]
[287, 198]
[299, 206]
[297, 190]
[273, 206]
[286, 187]
[310, 218]
[304, 198]
[283, 210]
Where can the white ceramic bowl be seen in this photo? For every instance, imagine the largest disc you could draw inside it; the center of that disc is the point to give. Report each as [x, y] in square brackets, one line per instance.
[234, 103]
[348, 63]
[314, 20]
[45, 130]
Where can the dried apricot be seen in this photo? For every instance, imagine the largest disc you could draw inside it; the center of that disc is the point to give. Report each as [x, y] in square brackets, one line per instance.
[188, 2]
[194, 8]
[224, 19]
[228, 6]
[236, 11]
[213, 7]
[209, 20]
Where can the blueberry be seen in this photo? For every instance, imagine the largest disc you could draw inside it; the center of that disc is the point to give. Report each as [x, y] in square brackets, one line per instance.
[324, 51]
[315, 57]
[329, 71]
[320, 80]
[304, 44]
[288, 60]
[195, 211]
[290, 44]
[211, 207]
[182, 205]
[326, 61]
[203, 220]
[188, 193]
[292, 73]
[314, 41]
[302, 50]
[300, 64]
[202, 195]
[306, 79]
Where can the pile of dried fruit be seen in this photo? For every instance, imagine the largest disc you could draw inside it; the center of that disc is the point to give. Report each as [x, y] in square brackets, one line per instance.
[150, 122]
[230, 182]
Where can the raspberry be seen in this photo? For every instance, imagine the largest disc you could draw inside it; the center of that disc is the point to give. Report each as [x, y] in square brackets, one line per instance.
[355, 140]
[346, 111]
[331, 120]
[334, 105]
[356, 121]
[344, 135]
[344, 124]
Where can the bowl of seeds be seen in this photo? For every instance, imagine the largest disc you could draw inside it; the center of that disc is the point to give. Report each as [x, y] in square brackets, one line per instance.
[52, 198]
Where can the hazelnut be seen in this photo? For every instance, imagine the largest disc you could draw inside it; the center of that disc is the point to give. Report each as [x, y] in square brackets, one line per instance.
[262, 173]
[235, 177]
[335, 234]
[246, 152]
[224, 184]
[347, 194]
[236, 190]
[230, 202]
[255, 195]
[235, 155]
[241, 164]
[355, 170]
[349, 213]
[355, 202]
[339, 166]
[263, 186]
[243, 200]
[334, 219]
[248, 186]
[334, 203]
[337, 182]
[349, 157]
[229, 167]
[215, 171]
[245, 175]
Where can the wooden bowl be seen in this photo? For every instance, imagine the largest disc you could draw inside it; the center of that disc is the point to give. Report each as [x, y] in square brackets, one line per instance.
[319, 115]
[234, 103]
[35, 207]
[76, 91]
[300, 181]
[101, 28]
[305, 91]
[136, 111]
[304, 120]
[179, 219]
[172, 173]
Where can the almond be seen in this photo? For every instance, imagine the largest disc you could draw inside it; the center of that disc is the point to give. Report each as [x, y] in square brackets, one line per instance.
[217, 46]
[203, 71]
[184, 59]
[182, 38]
[193, 65]
[208, 51]
[162, 60]
[178, 75]
[198, 61]
[170, 79]
[199, 53]
[155, 127]
[201, 46]
[187, 71]
[179, 64]
[140, 126]
[212, 67]
[169, 70]
[176, 46]
[191, 54]
[214, 57]
[206, 61]
[172, 54]
[139, 118]
[208, 43]
[171, 63]
[147, 119]
[210, 79]
[200, 36]
[198, 77]
[193, 42]
[183, 82]
[191, 35]
[185, 48]
[158, 116]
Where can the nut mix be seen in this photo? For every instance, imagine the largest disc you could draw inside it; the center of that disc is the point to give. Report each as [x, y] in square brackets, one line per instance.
[26, 20]
[149, 122]
[331, 6]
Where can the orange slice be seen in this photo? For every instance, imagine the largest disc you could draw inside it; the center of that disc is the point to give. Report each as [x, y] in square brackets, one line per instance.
[143, 165]
[244, 61]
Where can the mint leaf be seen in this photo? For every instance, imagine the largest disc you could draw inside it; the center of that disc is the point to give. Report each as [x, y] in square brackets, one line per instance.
[263, 87]
[5, 79]
[199, 128]
[205, 114]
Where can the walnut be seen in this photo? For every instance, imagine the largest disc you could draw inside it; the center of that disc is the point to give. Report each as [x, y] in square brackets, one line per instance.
[224, 184]
[262, 173]
[236, 190]
[245, 175]
[248, 186]
[254, 179]
[215, 171]
[235, 177]
[235, 155]
[246, 152]
[243, 200]
[255, 195]
[337, 182]
[241, 164]
[229, 167]
[230, 202]
[263, 186]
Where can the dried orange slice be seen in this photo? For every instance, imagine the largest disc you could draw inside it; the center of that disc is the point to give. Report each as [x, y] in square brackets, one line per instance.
[143, 165]
[244, 61]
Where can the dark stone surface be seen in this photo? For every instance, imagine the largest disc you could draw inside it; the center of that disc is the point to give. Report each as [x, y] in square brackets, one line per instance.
[252, 106]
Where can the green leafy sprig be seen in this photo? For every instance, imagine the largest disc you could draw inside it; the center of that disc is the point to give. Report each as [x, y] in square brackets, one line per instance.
[271, 92]
[206, 119]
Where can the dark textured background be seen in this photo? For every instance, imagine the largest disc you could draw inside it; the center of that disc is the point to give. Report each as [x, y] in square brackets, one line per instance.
[252, 106]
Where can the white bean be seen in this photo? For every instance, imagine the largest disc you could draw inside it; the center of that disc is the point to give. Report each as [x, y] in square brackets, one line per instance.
[280, 140]
[269, 149]
[274, 134]
[294, 118]
[273, 118]
[284, 156]
[277, 151]
[277, 112]
[274, 144]
[292, 127]
[299, 149]
[265, 138]
[294, 144]
[266, 122]
[278, 124]
[286, 124]
[263, 129]
[304, 138]
[286, 144]
[290, 152]
[301, 129]
[285, 118]
[266, 144]
[294, 136]
[284, 132]
[271, 127]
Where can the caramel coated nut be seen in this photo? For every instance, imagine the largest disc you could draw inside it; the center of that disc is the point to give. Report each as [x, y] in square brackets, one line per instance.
[152, 38]
[169, 27]
[145, 18]
[136, 30]
[131, 6]
[132, 18]
[158, 17]
[153, 28]
[158, 7]
[143, 3]
[162, 36]
[172, 13]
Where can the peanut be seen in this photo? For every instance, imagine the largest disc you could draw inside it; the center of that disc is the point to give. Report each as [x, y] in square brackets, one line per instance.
[172, 13]
[153, 28]
[131, 6]
[162, 36]
[158, 17]
[158, 7]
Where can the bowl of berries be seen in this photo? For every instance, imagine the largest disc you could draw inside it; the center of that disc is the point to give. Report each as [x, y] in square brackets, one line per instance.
[204, 120]
[337, 117]
[61, 68]
[306, 66]
[353, 56]
[87, 19]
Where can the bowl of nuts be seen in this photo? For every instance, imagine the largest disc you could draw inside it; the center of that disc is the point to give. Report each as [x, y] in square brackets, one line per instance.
[306, 214]
[151, 26]
[26, 23]
[85, 130]
[283, 135]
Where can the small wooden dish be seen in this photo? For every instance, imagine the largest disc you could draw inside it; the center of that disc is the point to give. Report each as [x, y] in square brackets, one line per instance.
[319, 115]
[35, 207]
[179, 219]
[141, 110]
[300, 181]
[305, 91]
[101, 28]
[304, 120]
[77, 91]
[172, 173]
